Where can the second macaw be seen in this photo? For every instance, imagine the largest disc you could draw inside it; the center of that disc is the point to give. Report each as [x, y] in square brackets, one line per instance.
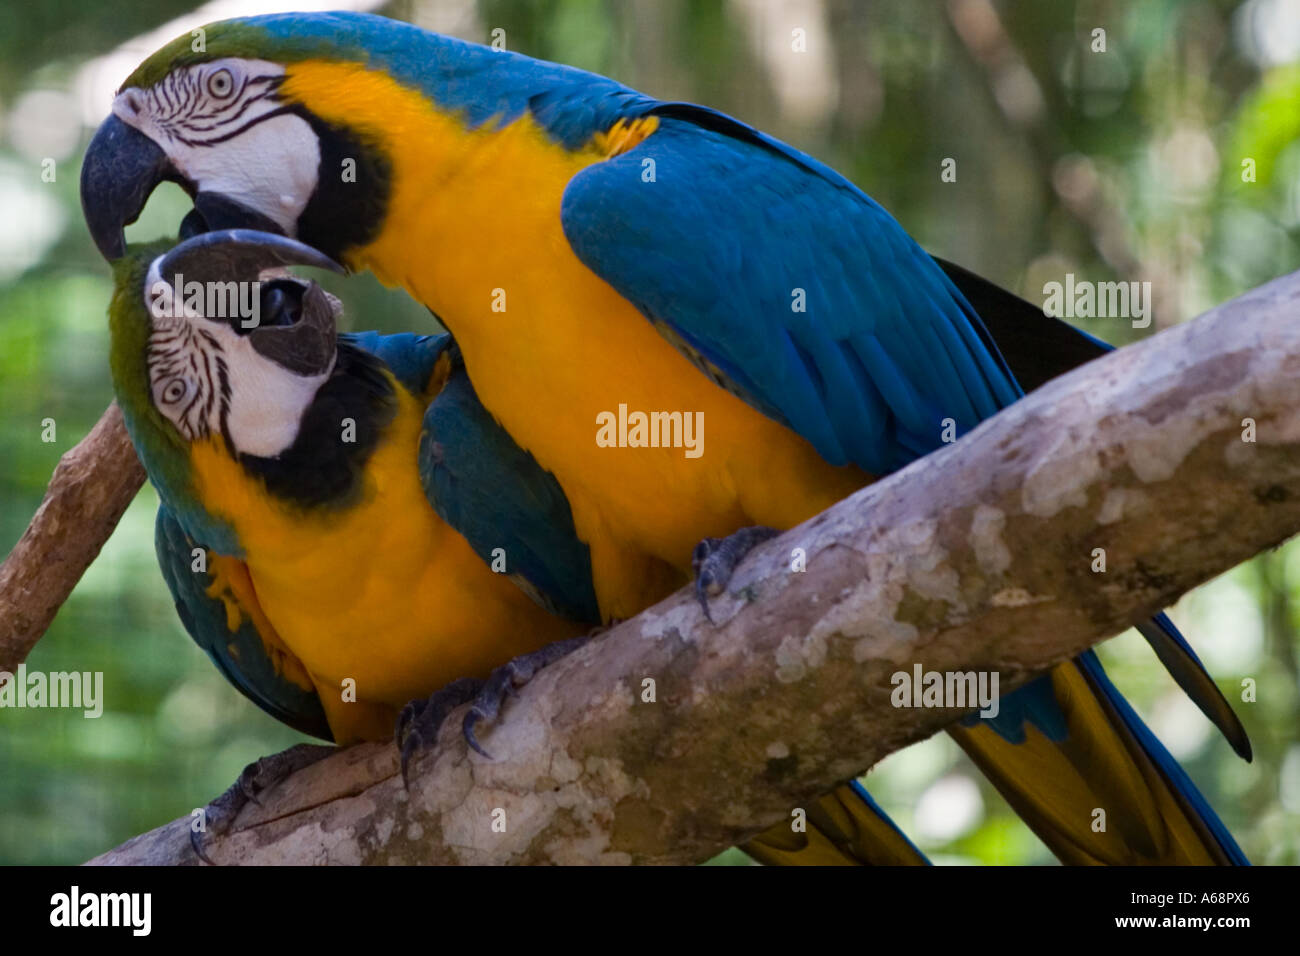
[596, 251]
[330, 503]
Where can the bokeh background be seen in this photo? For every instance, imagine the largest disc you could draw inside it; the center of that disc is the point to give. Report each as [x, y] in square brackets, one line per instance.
[1125, 164]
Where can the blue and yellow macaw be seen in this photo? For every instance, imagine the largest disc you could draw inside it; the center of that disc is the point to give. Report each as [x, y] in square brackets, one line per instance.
[330, 503]
[594, 249]
[342, 525]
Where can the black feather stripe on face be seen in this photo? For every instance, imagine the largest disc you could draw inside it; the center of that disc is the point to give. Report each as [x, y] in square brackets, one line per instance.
[187, 112]
[185, 358]
[340, 215]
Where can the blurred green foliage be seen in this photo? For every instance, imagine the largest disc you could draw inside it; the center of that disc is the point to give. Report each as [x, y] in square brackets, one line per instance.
[1126, 163]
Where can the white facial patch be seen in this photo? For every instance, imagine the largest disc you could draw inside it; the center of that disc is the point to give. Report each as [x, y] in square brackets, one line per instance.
[225, 130]
[207, 379]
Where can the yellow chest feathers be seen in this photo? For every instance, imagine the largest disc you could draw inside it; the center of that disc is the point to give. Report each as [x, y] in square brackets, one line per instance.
[380, 590]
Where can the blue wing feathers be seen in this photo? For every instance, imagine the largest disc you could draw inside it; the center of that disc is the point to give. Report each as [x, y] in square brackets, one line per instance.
[411, 358]
[807, 232]
[885, 350]
[485, 486]
[497, 496]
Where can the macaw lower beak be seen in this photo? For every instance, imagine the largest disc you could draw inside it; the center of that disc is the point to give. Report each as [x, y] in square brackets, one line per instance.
[306, 346]
[121, 170]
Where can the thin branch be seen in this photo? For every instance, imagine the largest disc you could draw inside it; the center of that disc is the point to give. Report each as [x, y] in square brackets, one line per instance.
[90, 489]
[979, 557]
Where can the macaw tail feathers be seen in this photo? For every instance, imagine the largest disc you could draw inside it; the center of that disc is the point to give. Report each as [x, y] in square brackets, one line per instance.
[845, 827]
[1091, 780]
[1186, 668]
[1035, 347]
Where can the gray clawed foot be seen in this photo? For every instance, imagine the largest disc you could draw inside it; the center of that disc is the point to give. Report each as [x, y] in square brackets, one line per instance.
[419, 721]
[256, 778]
[506, 680]
[716, 559]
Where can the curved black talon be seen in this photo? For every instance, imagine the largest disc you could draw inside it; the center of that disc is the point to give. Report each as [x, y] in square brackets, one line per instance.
[715, 560]
[487, 704]
[196, 844]
[247, 785]
[258, 777]
[505, 681]
[420, 720]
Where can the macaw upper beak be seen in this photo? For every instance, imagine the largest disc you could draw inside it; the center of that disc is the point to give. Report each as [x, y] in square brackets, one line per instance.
[122, 168]
[239, 255]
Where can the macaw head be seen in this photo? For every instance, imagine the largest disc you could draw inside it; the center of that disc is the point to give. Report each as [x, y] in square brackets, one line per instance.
[212, 339]
[214, 117]
[294, 123]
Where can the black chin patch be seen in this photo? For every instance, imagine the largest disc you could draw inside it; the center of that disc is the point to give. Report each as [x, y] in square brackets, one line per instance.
[213, 211]
[318, 469]
[193, 225]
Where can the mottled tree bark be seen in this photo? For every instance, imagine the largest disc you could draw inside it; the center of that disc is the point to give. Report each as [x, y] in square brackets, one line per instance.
[91, 487]
[979, 557]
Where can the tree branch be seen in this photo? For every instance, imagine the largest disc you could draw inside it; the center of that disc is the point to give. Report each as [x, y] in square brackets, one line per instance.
[90, 489]
[978, 557]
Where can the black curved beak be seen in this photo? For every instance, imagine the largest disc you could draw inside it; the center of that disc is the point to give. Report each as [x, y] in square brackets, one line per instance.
[306, 346]
[122, 168]
[239, 255]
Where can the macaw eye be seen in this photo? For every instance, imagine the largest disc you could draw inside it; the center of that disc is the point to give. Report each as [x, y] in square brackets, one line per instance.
[174, 391]
[221, 84]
